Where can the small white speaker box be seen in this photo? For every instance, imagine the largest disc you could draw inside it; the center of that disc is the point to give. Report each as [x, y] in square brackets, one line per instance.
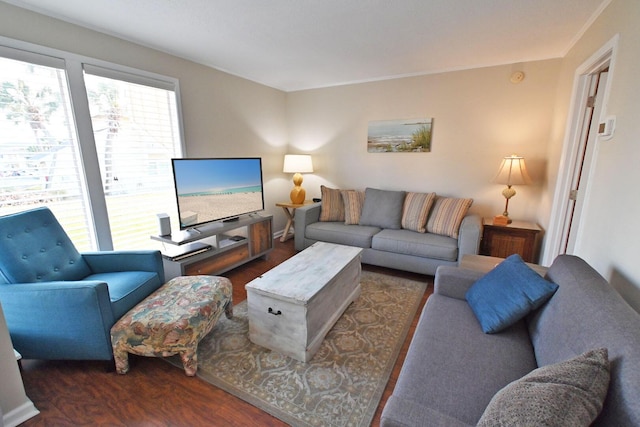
[164, 224]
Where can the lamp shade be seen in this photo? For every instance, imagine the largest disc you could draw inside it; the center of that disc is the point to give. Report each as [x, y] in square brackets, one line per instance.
[512, 171]
[297, 163]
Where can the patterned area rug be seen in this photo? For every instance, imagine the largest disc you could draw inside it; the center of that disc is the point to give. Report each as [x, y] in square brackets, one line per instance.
[342, 384]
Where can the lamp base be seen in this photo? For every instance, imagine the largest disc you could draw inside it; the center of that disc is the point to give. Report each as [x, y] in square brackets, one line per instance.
[297, 195]
[501, 220]
[507, 193]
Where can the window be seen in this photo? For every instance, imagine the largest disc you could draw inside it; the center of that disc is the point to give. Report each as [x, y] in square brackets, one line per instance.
[39, 158]
[129, 130]
[135, 129]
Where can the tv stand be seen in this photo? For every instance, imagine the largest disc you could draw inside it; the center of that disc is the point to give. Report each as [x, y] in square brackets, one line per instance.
[228, 249]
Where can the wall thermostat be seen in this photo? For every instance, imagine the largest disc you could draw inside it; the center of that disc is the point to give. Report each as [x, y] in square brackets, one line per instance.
[607, 127]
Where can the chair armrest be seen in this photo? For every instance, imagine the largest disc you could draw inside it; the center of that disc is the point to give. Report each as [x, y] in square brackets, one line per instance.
[304, 216]
[454, 282]
[110, 261]
[469, 236]
[59, 320]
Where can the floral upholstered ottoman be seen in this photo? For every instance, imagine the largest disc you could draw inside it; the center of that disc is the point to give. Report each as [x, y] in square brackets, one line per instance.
[172, 320]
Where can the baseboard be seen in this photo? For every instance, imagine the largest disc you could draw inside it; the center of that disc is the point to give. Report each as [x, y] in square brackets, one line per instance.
[20, 414]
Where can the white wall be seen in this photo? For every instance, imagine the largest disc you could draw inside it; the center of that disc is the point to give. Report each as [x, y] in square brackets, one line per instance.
[611, 220]
[15, 406]
[223, 115]
[479, 116]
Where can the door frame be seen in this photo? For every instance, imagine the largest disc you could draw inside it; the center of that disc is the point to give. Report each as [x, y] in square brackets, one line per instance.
[605, 56]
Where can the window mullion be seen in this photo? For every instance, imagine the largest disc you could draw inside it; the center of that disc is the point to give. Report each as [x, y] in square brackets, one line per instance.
[89, 155]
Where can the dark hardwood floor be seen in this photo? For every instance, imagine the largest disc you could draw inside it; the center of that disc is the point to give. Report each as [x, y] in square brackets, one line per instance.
[154, 393]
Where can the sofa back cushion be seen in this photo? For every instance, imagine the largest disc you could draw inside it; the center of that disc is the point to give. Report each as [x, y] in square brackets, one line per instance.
[587, 313]
[382, 208]
[35, 248]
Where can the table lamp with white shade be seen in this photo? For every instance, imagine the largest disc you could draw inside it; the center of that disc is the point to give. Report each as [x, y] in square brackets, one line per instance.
[513, 171]
[297, 164]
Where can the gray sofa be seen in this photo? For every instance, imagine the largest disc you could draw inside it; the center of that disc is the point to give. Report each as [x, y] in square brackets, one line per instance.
[453, 369]
[394, 248]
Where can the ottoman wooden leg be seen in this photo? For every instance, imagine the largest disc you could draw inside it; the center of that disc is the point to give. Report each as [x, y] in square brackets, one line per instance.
[189, 359]
[228, 309]
[121, 358]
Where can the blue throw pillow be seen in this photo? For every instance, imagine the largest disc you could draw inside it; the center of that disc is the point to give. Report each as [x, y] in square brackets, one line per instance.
[508, 293]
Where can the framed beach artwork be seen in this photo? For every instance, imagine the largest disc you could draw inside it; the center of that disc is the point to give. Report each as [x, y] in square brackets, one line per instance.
[399, 136]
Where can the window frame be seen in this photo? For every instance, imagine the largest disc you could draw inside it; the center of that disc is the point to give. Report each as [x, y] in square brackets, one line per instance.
[74, 66]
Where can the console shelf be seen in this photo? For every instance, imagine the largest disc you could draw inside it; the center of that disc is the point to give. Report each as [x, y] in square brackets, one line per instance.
[231, 244]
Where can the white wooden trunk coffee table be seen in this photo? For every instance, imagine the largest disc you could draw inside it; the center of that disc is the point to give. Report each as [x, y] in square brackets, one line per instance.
[293, 306]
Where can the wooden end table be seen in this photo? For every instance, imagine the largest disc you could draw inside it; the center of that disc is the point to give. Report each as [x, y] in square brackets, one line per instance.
[519, 237]
[487, 263]
[290, 210]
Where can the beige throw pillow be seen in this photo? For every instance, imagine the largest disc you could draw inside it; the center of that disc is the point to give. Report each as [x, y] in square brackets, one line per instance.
[447, 215]
[332, 208]
[416, 210]
[353, 201]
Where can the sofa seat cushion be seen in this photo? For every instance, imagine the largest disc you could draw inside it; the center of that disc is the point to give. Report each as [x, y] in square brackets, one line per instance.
[341, 233]
[407, 242]
[454, 368]
[415, 415]
[127, 288]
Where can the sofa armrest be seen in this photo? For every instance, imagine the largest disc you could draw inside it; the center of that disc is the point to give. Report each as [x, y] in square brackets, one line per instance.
[399, 412]
[304, 216]
[111, 261]
[59, 320]
[469, 236]
[454, 282]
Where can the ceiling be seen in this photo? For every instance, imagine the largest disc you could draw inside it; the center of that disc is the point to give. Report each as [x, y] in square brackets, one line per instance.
[302, 44]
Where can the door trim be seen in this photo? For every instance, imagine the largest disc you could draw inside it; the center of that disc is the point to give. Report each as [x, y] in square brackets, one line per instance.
[569, 157]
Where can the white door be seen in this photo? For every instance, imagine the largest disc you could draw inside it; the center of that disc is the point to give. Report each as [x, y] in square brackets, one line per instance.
[582, 167]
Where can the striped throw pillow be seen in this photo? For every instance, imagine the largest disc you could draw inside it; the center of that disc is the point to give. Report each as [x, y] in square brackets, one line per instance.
[353, 201]
[332, 208]
[447, 215]
[416, 210]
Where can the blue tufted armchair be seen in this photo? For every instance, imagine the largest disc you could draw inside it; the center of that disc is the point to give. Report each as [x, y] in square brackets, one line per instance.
[58, 303]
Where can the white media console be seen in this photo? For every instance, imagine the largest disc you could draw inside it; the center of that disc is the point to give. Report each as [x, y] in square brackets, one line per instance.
[217, 247]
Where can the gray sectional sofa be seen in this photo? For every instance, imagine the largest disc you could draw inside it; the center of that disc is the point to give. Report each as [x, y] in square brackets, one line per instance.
[393, 247]
[453, 370]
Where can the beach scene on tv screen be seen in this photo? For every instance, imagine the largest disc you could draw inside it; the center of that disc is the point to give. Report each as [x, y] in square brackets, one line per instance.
[213, 189]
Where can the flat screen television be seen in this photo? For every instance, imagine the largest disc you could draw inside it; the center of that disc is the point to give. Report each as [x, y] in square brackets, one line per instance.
[217, 189]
